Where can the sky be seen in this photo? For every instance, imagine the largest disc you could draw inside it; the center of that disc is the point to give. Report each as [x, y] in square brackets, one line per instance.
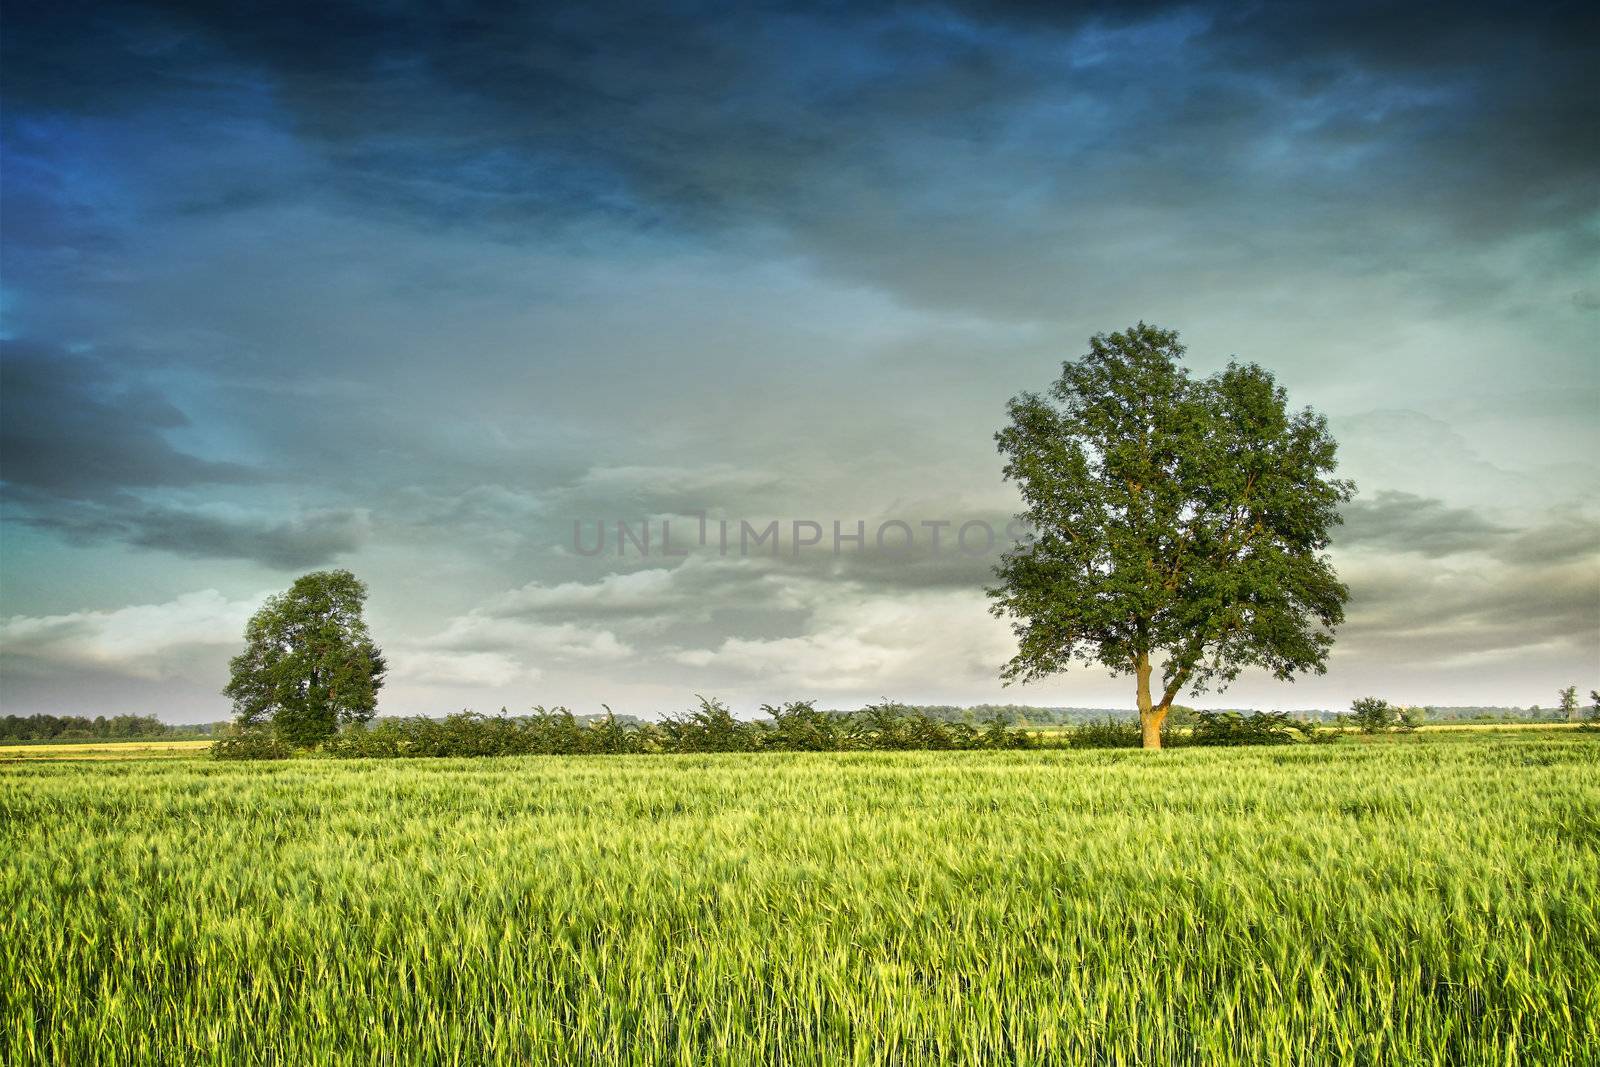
[412, 289]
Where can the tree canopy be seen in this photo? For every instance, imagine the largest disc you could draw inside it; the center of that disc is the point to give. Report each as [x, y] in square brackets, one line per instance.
[309, 665]
[1175, 519]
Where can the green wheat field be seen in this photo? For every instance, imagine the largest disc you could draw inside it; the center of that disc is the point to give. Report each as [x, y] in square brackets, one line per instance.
[1411, 900]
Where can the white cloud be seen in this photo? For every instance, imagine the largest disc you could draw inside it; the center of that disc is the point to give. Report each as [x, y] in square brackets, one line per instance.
[562, 641]
[183, 638]
[654, 596]
[423, 667]
[856, 643]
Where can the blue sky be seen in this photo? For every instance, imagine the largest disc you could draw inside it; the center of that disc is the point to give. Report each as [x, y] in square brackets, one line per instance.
[412, 289]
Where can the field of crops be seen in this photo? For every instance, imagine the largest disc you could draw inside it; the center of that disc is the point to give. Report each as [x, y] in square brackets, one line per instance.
[1390, 903]
[81, 750]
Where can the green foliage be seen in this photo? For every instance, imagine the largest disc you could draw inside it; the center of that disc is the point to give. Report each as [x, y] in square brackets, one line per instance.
[252, 743]
[1107, 733]
[1178, 520]
[1360, 904]
[1224, 728]
[1592, 721]
[309, 666]
[1372, 715]
[709, 727]
[554, 732]
[799, 727]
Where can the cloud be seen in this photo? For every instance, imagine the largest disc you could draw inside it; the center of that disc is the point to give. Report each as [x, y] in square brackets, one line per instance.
[866, 645]
[1566, 538]
[1439, 611]
[1396, 521]
[208, 531]
[1438, 585]
[689, 590]
[453, 669]
[304, 540]
[666, 485]
[558, 641]
[187, 637]
[67, 429]
[958, 160]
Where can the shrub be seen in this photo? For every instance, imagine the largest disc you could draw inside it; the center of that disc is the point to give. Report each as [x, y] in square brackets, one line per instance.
[250, 744]
[1216, 728]
[551, 732]
[1112, 733]
[610, 737]
[709, 728]
[997, 734]
[1372, 715]
[799, 727]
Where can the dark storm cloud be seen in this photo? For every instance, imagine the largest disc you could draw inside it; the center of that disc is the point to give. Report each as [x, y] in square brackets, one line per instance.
[82, 450]
[300, 541]
[1565, 539]
[1425, 614]
[1404, 522]
[69, 429]
[285, 541]
[1479, 589]
[878, 135]
[1400, 523]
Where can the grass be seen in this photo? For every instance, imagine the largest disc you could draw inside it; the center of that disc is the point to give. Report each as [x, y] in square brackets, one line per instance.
[1383, 903]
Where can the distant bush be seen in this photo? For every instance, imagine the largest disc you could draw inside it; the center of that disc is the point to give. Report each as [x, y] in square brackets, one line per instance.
[250, 744]
[1219, 728]
[1109, 733]
[1372, 715]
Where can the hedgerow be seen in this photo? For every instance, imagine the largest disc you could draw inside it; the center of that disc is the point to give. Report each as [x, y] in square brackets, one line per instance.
[797, 726]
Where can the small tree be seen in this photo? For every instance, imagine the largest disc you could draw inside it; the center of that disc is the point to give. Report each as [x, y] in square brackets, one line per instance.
[1569, 703]
[1372, 714]
[1177, 521]
[309, 666]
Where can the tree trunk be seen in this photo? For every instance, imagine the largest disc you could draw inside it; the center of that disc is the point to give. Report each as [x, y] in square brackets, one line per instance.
[1150, 718]
[1151, 723]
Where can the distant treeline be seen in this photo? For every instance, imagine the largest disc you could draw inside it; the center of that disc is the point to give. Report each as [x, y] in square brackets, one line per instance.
[99, 728]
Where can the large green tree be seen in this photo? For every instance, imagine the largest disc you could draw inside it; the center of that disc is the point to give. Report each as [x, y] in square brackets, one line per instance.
[1178, 522]
[309, 665]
